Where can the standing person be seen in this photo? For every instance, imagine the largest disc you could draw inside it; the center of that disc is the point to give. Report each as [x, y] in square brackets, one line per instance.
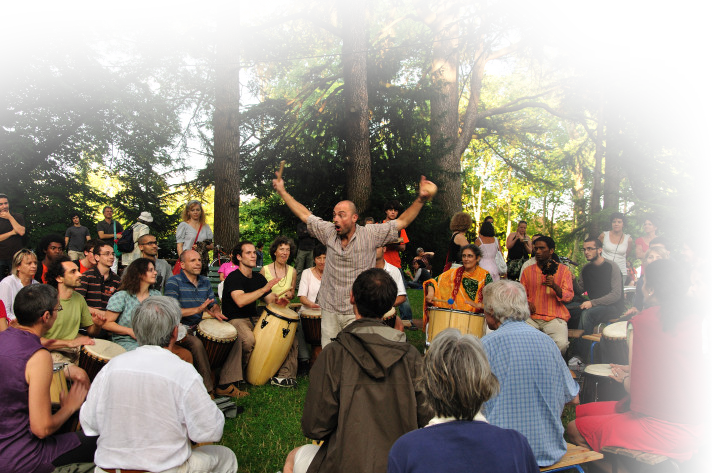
[148, 246]
[260, 255]
[12, 231]
[362, 392]
[460, 223]
[194, 234]
[665, 412]
[534, 381]
[140, 228]
[305, 251]
[28, 439]
[458, 438]
[100, 283]
[88, 261]
[110, 230]
[392, 256]
[519, 247]
[122, 407]
[616, 244]
[63, 338]
[549, 287]
[642, 244]
[50, 249]
[351, 249]
[24, 267]
[280, 250]
[75, 238]
[242, 289]
[490, 247]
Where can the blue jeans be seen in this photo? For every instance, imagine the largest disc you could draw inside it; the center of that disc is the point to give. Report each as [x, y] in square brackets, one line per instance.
[594, 316]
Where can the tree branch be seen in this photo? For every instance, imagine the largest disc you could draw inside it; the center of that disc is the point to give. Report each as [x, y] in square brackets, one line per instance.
[303, 15]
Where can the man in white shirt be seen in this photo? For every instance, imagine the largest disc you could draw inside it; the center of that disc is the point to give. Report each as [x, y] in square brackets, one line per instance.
[147, 405]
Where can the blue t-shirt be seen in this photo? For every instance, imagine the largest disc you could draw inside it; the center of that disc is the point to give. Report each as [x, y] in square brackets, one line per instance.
[125, 304]
[462, 445]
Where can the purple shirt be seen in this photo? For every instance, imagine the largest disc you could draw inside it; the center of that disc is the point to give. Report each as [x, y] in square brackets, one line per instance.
[20, 450]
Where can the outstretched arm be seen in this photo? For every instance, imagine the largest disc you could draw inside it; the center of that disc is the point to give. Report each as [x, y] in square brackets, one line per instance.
[426, 191]
[297, 209]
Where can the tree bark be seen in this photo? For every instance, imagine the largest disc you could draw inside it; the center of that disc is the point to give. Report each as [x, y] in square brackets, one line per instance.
[356, 113]
[226, 123]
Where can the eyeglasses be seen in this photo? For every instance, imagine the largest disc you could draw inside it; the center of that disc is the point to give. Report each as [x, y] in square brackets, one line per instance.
[57, 309]
[589, 249]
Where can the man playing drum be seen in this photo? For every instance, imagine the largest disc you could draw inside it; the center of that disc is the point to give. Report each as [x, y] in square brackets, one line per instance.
[243, 287]
[147, 405]
[195, 295]
[351, 249]
[534, 381]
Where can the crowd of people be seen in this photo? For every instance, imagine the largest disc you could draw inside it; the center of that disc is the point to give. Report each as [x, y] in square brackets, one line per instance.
[489, 399]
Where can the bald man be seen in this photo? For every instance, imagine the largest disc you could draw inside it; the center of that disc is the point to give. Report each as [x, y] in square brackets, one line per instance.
[351, 249]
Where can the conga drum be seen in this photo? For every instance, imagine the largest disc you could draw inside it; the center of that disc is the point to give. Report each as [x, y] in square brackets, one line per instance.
[599, 386]
[440, 318]
[92, 358]
[614, 344]
[60, 386]
[390, 318]
[274, 334]
[311, 324]
[217, 337]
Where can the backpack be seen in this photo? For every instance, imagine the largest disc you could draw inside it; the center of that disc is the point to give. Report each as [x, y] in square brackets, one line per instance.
[126, 242]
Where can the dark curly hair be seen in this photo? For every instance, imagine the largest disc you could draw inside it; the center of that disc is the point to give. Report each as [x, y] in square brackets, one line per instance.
[131, 279]
[282, 240]
[669, 283]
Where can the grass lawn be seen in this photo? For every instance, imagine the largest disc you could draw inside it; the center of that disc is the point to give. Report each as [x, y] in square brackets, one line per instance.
[270, 427]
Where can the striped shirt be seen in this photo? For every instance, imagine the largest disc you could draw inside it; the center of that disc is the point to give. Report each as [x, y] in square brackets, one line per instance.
[548, 305]
[343, 265]
[189, 295]
[97, 291]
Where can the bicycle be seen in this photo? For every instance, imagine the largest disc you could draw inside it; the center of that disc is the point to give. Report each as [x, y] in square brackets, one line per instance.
[221, 257]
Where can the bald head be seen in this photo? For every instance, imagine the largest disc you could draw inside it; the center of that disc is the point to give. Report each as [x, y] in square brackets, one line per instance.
[345, 217]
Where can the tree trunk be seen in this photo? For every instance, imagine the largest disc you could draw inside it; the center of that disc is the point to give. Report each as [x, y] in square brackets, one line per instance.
[226, 123]
[595, 207]
[356, 114]
[444, 116]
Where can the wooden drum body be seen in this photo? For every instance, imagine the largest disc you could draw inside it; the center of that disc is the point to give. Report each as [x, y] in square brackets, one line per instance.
[599, 386]
[614, 344]
[92, 358]
[311, 324]
[59, 387]
[274, 335]
[217, 337]
[440, 318]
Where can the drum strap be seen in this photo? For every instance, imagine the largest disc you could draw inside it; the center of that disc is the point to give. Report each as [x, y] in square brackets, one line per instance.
[287, 319]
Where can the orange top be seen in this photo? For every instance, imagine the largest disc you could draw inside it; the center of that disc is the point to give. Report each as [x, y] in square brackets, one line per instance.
[547, 304]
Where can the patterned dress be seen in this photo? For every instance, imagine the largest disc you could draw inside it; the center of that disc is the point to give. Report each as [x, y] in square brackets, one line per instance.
[461, 287]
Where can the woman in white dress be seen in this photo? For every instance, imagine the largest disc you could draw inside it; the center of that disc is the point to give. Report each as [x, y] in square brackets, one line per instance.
[617, 246]
[489, 245]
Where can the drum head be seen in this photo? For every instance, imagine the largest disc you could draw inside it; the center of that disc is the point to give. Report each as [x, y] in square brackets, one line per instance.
[603, 369]
[311, 313]
[390, 313]
[182, 332]
[217, 329]
[104, 349]
[616, 331]
[283, 311]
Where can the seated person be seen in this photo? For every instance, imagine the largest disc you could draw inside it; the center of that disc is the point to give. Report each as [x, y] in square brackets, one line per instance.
[664, 414]
[462, 285]
[534, 381]
[458, 439]
[24, 267]
[147, 405]
[362, 395]
[421, 275]
[27, 426]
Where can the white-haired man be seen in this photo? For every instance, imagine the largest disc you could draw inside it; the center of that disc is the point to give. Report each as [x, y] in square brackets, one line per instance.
[152, 404]
[534, 380]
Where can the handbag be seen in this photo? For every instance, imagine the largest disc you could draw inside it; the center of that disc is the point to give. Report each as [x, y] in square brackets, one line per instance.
[177, 267]
[501, 264]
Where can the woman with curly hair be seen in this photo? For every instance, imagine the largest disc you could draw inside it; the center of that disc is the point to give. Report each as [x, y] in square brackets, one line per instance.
[281, 249]
[460, 223]
[667, 352]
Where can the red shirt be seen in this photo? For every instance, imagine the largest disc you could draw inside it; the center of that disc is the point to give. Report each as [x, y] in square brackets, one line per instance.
[393, 256]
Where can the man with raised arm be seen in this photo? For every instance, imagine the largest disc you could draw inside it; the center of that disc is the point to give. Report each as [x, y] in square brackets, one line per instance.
[351, 249]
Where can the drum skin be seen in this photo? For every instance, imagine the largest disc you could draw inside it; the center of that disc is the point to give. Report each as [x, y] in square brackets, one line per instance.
[92, 358]
[440, 318]
[599, 386]
[218, 337]
[390, 318]
[614, 344]
[274, 334]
